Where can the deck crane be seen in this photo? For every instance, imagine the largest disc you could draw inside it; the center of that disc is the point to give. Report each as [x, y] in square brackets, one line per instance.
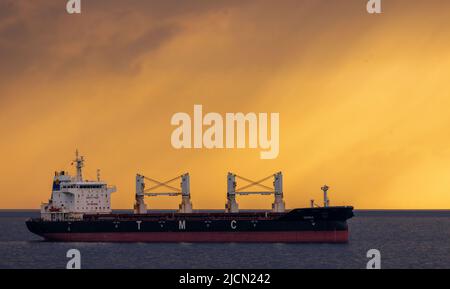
[277, 190]
[141, 208]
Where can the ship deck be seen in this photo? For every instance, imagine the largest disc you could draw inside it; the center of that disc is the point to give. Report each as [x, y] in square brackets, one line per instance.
[188, 216]
[343, 212]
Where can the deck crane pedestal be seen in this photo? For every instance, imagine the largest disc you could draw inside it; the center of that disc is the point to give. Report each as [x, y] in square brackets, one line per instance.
[278, 205]
[186, 205]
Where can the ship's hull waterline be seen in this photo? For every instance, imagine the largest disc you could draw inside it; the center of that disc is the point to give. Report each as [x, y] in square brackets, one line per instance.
[204, 237]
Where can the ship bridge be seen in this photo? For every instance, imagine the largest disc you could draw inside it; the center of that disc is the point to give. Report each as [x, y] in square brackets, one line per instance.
[72, 196]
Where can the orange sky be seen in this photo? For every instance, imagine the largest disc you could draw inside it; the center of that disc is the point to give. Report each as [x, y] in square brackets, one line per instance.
[364, 100]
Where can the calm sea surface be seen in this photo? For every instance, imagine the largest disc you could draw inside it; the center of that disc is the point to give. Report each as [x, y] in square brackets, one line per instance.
[406, 239]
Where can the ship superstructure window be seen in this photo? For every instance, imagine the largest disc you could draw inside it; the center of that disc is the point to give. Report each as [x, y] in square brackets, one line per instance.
[91, 186]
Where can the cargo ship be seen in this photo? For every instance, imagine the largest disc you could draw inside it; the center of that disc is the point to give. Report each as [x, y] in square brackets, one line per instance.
[80, 211]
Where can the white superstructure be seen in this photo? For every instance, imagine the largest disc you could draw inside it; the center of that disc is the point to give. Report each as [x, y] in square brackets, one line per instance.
[72, 196]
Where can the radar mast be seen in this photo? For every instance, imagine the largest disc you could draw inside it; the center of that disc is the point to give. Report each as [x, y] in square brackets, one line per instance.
[79, 163]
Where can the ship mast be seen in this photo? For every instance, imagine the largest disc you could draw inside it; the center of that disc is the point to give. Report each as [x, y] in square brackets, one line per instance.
[326, 201]
[79, 163]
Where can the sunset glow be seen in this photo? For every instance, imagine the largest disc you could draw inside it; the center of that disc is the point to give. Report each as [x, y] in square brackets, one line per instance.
[363, 100]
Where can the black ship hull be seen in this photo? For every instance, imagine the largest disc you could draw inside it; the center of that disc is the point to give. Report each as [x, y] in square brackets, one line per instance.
[299, 225]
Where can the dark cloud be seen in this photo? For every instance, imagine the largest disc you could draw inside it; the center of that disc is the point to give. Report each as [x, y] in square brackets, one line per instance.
[7, 8]
[109, 36]
[159, 9]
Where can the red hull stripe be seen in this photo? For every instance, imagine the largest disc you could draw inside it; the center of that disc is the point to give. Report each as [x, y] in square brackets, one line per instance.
[217, 237]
